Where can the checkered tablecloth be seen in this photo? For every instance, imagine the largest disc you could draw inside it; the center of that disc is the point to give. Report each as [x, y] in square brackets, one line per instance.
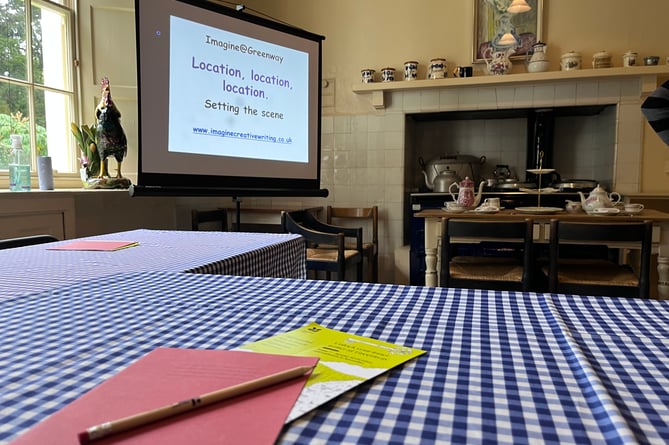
[501, 367]
[31, 268]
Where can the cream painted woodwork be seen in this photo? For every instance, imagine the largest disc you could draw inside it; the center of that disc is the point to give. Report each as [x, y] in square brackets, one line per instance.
[45, 213]
[107, 48]
[71, 213]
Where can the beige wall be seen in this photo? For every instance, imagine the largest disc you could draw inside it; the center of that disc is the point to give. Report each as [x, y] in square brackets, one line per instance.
[376, 33]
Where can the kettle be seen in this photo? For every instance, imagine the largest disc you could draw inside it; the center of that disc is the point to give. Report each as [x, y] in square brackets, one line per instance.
[442, 180]
[466, 196]
[598, 198]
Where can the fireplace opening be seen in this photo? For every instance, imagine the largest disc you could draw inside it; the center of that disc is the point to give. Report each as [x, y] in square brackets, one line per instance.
[577, 141]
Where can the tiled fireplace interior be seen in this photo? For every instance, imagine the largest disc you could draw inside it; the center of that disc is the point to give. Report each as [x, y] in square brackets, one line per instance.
[582, 146]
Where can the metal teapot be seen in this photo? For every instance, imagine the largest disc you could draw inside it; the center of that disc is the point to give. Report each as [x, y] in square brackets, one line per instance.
[442, 181]
[466, 196]
[599, 198]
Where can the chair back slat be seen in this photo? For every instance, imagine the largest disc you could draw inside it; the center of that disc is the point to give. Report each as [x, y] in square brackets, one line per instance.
[325, 244]
[22, 241]
[369, 217]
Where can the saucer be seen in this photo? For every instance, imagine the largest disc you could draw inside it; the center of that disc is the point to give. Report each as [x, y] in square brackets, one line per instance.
[487, 209]
[454, 210]
[604, 211]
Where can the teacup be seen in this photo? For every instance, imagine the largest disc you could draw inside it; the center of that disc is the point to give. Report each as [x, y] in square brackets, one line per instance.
[453, 206]
[633, 208]
[491, 202]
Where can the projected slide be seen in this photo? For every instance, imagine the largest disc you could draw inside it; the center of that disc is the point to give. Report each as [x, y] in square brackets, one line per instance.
[232, 95]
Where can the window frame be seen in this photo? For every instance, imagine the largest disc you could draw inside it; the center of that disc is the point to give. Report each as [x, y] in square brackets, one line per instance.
[66, 8]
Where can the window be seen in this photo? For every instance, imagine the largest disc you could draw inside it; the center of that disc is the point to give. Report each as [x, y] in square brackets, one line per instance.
[37, 83]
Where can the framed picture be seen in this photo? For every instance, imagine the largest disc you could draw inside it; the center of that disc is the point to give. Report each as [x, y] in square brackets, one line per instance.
[491, 21]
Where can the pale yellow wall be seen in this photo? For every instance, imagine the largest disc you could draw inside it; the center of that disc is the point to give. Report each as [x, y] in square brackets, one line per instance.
[378, 33]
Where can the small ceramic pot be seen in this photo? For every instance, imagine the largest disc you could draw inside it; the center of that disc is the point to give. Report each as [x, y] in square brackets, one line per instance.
[410, 70]
[629, 58]
[437, 69]
[601, 59]
[387, 74]
[367, 75]
[570, 61]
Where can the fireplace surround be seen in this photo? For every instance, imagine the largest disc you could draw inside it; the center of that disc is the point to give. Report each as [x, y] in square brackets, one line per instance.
[620, 90]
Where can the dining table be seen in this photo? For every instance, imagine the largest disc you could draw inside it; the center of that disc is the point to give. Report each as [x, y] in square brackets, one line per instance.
[37, 267]
[500, 366]
[541, 218]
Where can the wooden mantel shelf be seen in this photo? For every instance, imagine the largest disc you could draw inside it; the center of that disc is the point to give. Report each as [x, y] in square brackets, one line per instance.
[648, 74]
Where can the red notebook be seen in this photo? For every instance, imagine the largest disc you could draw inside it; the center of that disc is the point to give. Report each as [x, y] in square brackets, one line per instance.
[168, 375]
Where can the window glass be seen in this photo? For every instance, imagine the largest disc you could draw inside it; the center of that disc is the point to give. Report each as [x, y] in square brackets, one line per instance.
[13, 120]
[37, 93]
[13, 62]
[50, 48]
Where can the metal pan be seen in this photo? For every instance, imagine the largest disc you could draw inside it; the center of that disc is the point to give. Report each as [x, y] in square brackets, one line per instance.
[568, 185]
[511, 184]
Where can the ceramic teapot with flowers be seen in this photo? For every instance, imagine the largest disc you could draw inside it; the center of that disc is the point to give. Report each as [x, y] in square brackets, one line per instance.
[599, 198]
[466, 197]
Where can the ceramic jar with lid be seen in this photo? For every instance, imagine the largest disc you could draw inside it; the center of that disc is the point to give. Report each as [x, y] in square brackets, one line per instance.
[601, 59]
[367, 75]
[411, 70]
[388, 74]
[437, 69]
[570, 61]
[629, 58]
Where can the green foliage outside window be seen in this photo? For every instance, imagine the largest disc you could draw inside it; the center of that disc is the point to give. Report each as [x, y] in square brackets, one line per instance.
[19, 124]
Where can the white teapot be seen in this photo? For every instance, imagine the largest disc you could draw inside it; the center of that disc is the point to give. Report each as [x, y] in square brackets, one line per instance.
[598, 198]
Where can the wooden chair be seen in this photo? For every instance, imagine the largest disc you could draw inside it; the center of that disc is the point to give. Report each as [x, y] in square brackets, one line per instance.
[318, 233]
[370, 246]
[201, 217]
[599, 277]
[26, 241]
[466, 266]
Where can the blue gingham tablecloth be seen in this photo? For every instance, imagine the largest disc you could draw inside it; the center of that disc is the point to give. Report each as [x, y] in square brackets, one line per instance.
[31, 268]
[501, 367]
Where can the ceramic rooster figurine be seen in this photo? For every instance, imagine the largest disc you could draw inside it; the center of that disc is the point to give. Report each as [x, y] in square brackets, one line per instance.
[111, 140]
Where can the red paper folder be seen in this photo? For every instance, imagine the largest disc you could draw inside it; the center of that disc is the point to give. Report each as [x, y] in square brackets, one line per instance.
[104, 245]
[168, 375]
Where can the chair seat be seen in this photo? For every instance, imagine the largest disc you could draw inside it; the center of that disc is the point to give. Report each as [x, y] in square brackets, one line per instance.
[371, 247]
[328, 254]
[595, 272]
[486, 268]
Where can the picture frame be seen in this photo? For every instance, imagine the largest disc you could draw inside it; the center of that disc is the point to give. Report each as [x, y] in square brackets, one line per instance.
[487, 16]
